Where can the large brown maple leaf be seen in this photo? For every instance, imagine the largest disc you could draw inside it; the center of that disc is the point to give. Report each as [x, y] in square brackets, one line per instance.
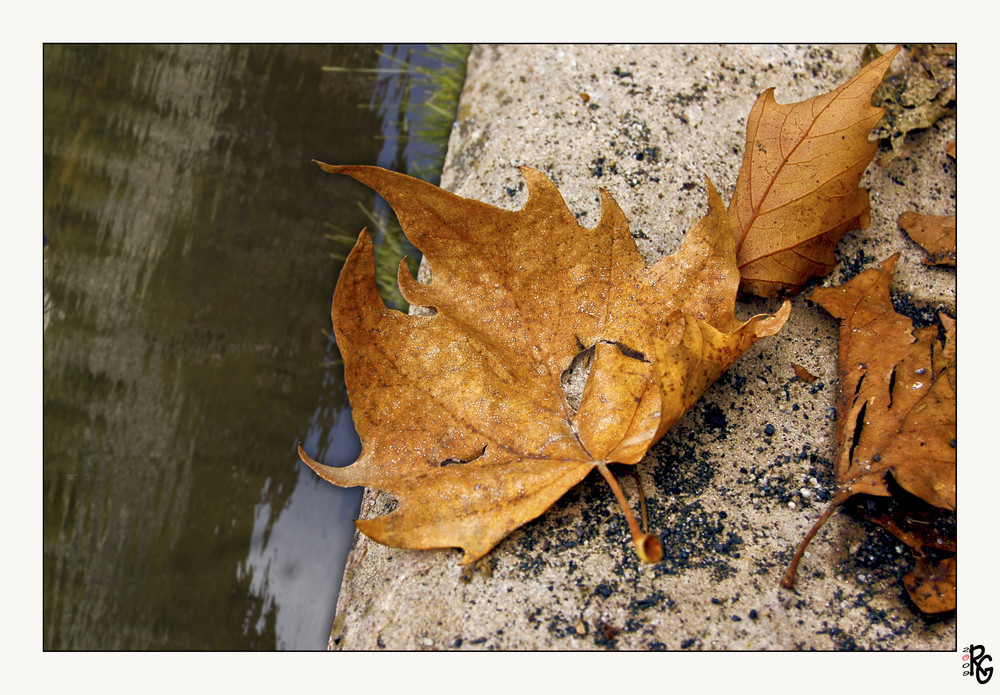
[462, 414]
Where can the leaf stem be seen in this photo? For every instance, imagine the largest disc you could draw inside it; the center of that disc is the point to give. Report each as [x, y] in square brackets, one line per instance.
[647, 546]
[642, 498]
[788, 580]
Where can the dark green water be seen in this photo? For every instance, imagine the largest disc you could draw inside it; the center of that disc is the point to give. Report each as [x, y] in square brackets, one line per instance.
[186, 350]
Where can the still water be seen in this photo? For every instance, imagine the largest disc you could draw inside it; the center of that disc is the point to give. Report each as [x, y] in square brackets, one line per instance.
[186, 343]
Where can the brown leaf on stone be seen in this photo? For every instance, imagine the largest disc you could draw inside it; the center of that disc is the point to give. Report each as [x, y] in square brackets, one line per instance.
[936, 233]
[950, 149]
[932, 585]
[462, 415]
[797, 193]
[803, 373]
[896, 403]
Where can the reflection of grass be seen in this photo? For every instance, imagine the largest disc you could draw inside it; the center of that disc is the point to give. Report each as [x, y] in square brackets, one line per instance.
[424, 91]
[428, 121]
[388, 251]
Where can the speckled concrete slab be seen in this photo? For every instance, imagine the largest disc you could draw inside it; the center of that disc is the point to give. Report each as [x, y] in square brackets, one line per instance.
[735, 485]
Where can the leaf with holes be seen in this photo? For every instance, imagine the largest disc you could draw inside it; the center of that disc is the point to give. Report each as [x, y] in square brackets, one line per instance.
[896, 403]
[462, 415]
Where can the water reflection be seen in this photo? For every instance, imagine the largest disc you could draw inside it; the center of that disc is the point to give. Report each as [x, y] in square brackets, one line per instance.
[189, 288]
[281, 563]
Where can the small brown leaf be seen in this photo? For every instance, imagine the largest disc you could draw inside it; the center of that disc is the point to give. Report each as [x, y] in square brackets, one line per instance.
[797, 193]
[932, 586]
[950, 149]
[936, 233]
[803, 373]
[461, 414]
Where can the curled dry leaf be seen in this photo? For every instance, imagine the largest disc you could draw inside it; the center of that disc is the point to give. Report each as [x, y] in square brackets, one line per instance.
[935, 233]
[896, 401]
[461, 414]
[797, 193]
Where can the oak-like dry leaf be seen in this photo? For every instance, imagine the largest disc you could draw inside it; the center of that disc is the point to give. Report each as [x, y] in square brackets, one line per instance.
[935, 233]
[461, 414]
[798, 189]
[896, 401]
[896, 407]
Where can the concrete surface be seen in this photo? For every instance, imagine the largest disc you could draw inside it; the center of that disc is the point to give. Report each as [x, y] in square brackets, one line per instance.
[729, 502]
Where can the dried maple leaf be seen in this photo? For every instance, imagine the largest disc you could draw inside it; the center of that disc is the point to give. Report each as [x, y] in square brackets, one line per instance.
[797, 192]
[896, 399]
[935, 233]
[461, 414]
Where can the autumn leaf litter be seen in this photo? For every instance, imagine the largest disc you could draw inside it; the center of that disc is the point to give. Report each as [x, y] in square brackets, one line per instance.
[729, 499]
